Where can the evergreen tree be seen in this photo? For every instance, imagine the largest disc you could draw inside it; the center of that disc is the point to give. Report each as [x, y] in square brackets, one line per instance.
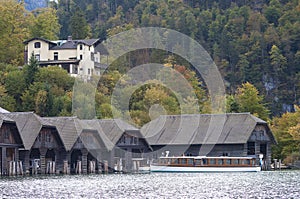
[30, 70]
[45, 24]
[79, 27]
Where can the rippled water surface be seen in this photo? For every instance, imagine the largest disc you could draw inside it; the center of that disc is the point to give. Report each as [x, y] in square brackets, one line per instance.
[285, 184]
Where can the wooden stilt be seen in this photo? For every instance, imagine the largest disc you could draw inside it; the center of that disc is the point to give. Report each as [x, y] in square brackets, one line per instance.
[105, 166]
[65, 168]
[78, 167]
[21, 168]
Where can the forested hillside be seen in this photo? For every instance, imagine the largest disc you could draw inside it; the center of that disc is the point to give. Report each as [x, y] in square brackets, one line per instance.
[256, 41]
[255, 44]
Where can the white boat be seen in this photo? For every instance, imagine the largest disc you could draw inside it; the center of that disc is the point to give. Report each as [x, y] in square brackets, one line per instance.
[205, 164]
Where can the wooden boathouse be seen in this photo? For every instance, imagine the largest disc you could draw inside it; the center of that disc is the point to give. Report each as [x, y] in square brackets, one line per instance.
[70, 145]
[42, 144]
[126, 144]
[10, 143]
[231, 134]
[82, 144]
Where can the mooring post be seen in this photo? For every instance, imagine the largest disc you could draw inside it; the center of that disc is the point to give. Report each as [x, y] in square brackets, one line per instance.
[105, 166]
[280, 164]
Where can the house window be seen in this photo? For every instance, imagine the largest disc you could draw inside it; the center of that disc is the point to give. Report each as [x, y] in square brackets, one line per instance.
[123, 140]
[80, 46]
[55, 55]
[75, 71]
[48, 137]
[37, 57]
[37, 45]
[39, 137]
[81, 57]
[135, 140]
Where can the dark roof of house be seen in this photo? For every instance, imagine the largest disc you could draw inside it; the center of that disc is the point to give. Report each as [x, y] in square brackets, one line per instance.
[69, 129]
[38, 38]
[29, 125]
[88, 42]
[102, 49]
[72, 44]
[231, 128]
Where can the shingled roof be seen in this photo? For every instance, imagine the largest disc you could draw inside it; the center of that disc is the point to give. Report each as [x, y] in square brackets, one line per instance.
[96, 125]
[29, 125]
[4, 118]
[111, 130]
[69, 129]
[231, 128]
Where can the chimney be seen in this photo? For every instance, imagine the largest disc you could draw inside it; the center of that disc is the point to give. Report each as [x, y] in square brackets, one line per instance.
[70, 38]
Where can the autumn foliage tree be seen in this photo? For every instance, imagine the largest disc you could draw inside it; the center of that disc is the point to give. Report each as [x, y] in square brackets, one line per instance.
[287, 132]
[249, 100]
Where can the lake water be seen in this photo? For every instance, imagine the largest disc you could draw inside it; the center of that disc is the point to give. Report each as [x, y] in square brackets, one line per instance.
[279, 184]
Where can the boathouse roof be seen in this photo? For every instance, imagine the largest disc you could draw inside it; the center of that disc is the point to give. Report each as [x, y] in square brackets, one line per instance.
[69, 128]
[96, 125]
[4, 118]
[29, 125]
[111, 130]
[230, 128]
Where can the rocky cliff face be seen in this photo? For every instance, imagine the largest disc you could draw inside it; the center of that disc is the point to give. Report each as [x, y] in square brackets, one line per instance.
[34, 4]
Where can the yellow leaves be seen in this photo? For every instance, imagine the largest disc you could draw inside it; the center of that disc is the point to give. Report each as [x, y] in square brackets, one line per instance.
[295, 131]
[14, 29]
[249, 100]
[287, 126]
[155, 95]
[40, 102]
[45, 24]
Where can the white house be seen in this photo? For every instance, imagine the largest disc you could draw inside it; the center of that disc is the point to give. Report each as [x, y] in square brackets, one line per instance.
[78, 57]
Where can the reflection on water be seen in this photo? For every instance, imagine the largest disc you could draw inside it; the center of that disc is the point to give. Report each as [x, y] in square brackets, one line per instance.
[285, 184]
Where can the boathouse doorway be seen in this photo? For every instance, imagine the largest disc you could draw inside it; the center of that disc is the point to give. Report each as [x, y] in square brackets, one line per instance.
[50, 155]
[35, 162]
[263, 150]
[50, 161]
[6, 156]
[91, 163]
[34, 154]
[76, 156]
